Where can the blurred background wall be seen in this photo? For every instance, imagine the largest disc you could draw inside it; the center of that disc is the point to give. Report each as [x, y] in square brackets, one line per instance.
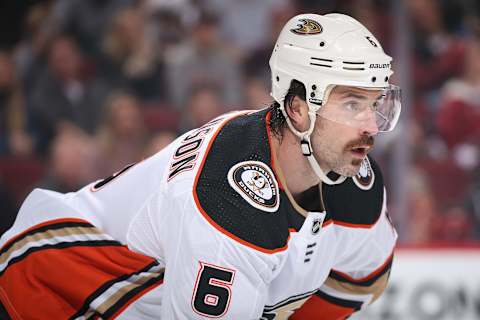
[89, 86]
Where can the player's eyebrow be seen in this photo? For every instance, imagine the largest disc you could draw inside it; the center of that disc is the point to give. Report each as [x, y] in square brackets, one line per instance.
[350, 94]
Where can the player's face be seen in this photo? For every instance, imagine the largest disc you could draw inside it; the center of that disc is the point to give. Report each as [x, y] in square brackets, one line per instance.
[339, 145]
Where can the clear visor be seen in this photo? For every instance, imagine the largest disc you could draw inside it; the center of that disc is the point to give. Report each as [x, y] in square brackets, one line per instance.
[364, 108]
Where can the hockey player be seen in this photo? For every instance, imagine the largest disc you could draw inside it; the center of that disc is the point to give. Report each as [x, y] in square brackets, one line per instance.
[272, 214]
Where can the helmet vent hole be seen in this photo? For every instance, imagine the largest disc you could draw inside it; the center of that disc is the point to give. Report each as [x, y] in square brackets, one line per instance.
[386, 79]
[354, 65]
[277, 78]
[321, 62]
[374, 79]
[353, 69]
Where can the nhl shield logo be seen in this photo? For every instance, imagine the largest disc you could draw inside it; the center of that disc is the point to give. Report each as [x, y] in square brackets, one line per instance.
[255, 182]
[316, 225]
[365, 177]
[307, 27]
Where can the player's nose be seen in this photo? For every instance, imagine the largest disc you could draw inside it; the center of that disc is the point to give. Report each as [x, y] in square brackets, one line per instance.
[370, 126]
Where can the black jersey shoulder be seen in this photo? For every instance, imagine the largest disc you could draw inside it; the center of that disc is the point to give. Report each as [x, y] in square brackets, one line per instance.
[353, 205]
[242, 141]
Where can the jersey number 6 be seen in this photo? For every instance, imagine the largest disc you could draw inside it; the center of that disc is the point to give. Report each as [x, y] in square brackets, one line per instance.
[212, 293]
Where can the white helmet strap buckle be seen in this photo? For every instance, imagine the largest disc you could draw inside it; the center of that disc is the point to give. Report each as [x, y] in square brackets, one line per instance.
[306, 149]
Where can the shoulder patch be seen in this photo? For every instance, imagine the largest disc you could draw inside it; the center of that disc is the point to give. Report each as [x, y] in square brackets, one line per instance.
[236, 189]
[256, 183]
[365, 177]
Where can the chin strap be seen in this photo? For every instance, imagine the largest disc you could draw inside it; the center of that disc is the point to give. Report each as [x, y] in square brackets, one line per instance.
[308, 152]
[307, 149]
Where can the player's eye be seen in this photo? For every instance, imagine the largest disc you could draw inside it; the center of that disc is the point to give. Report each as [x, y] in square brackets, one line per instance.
[352, 106]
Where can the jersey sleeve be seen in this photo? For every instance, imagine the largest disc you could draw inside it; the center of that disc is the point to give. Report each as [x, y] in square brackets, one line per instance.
[54, 264]
[207, 274]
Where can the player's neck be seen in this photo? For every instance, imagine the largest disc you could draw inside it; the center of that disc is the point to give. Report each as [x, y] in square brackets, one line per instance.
[298, 174]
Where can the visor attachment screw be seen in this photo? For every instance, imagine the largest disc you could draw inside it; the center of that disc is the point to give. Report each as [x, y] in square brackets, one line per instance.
[312, 94]
[322, 44]
[386, 79]
[374, 79]
[278, 78]
[314, 87]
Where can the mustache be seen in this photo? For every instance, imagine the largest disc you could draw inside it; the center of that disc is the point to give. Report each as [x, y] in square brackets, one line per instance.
[362, 141]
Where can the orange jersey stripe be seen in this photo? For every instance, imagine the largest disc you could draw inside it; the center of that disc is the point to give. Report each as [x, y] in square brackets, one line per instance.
[317, 308]
[54, 283]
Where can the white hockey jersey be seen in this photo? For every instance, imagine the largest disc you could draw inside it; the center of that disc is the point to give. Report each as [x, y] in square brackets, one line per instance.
[203, 229]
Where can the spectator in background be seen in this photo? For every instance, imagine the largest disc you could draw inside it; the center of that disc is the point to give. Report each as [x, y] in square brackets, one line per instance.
[204, 105]
[374, 15]
[458, 119]
[70, 161]
[86, 20]
[259, 15]
[255, 63]
[456, 225]
[422, 208]
[202, 60]
[437, 50]
[256, 94]
[14, 138]
[157, 142]
[458, 125]
[167, 20]
[131, 56]
[122, 137]
[63, 93]
[30, 53]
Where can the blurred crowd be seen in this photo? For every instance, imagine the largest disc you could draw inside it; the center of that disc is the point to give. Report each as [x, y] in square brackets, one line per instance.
[89, 86]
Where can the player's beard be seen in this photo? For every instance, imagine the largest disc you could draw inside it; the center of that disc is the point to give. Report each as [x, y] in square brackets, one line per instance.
[339, 161]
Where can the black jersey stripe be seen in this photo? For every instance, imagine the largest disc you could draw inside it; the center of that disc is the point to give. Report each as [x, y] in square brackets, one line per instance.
[128, 296]
[288, 301]
[42, 228]
[355, 305]
[369, 280]
[58, 246]
[3, 312]
[131, 295]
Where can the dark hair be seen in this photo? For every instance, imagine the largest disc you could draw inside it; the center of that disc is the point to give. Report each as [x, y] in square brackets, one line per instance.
[277, 119]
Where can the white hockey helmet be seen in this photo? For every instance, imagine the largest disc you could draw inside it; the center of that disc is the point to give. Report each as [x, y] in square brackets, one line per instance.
[322, 51]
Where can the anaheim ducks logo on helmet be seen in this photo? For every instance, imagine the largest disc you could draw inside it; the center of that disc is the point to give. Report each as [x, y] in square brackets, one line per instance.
[307, 27]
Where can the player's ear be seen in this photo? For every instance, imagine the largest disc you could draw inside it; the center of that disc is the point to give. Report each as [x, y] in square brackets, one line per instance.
[297, 110]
